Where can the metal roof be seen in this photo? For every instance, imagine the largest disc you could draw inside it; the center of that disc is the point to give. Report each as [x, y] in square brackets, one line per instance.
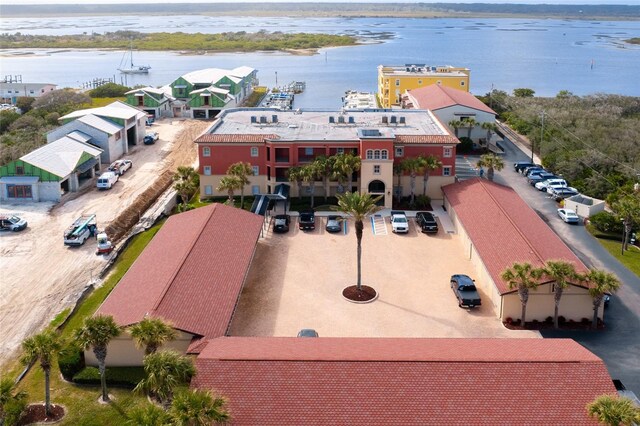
[115, 109]
[61, 156]
[100, 123]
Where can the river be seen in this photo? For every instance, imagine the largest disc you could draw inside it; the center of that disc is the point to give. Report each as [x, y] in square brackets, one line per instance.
[582, 57]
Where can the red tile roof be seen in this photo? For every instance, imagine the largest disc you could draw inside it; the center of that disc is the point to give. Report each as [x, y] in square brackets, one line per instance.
[191, 273]
[235, 138]
[426, 139]
[484, 207]
[435, 97]
[360, 381]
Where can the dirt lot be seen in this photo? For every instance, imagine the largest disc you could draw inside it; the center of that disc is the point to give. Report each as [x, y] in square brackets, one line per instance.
[39, 276]
[296, 282]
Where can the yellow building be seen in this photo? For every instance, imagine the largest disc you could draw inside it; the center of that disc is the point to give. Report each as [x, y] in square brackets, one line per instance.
[393, 81]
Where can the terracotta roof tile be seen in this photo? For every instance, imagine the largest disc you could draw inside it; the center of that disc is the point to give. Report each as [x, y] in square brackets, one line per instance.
[483, 206]
[435, 97]
[426, 139]
[359, 381]
[235, 138]
[191, 273]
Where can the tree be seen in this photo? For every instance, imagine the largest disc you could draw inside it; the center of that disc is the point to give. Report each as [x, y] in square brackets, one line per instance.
[294, 174]
[324, 167]
[242, 171]
[229, 184]
[198, 408]
[186, 181]
[12, 401]
[524, 277]
[627, 210]
[7, 118]
[24, 103]
[308, 175]
[431, 163]
[109, 90]
[345, 165]
[492, 162]
[148, 415]
[489, 127]
[42, 348]
[562, 273]
[469, 123]
[62, 101]
[523, 93]
[413, 166]
[397, 171]
[151, 333]
[165, 370]
[96, 333]
[600, 283]
[358, 206]
[613, 410]
[455, 125]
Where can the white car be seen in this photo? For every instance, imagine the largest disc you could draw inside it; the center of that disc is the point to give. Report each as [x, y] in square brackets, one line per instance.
[399, 222]
[107, 180]
[568, 216]
[120, 166]
[542, 186]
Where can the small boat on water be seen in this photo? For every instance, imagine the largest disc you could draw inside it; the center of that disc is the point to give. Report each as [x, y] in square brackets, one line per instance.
[127, 66]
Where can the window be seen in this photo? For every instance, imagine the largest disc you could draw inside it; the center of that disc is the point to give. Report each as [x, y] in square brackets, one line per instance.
[208, 190]
[446, 171]
[376, 169]
[462, 83]
[31, 92]
[308, 151]
[419, 82]
[376, 154]
[397, 82]
[438, 82]
[207, 170]
[19, 170]
[447, 152]
[205, 100]
[255, 189]
[254, 151]
[256, 170]
[399, 151]
[19, 191]
[206, 151]
[369, 154]
[384, 154]
[339, 150]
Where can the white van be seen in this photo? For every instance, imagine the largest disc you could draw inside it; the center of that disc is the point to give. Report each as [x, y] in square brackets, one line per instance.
[107, 180]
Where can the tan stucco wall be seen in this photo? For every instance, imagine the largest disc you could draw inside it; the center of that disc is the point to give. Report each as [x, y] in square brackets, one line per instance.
[434, 185]
[386, 176]
[122, 352]
[214, 181]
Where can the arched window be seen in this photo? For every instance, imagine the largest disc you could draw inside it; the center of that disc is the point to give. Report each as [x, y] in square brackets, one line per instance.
[369, 154]
[385, 154]
[376, 154]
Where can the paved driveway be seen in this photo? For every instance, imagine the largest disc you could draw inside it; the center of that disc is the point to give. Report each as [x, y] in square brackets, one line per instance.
[296, 282]
[619, 344]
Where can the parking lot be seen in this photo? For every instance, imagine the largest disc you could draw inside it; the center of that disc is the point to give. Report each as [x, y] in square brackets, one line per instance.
[296, 281]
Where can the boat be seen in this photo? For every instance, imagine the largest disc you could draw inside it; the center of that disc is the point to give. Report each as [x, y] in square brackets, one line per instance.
[127, 66]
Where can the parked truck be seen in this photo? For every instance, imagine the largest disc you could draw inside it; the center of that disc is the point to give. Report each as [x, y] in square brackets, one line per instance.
[83, 228]
[399, 222]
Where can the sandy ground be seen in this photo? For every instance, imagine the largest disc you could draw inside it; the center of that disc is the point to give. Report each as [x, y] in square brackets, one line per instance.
[296, 282]
[39, 276]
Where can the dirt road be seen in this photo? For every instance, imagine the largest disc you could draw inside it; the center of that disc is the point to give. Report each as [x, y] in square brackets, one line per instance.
[39, 276]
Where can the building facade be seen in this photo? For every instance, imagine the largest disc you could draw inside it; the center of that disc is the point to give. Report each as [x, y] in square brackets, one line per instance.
[394, 80]
[273, 141]
[157, 103]
[10, 92]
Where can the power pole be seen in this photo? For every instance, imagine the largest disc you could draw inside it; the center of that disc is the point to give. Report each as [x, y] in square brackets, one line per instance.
[541, 135]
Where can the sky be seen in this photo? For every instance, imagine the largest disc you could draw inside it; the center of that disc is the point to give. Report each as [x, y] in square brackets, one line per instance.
[626, 2]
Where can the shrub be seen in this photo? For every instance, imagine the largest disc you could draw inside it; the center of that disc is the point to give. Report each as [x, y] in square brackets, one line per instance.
[585, 321]
[116, 376]
[606, 222]
[548, 320]
[561, 319]
[509, 320]
[423, 201]
[109, 90]
[466, 145]
[13, 409]
[70, 361]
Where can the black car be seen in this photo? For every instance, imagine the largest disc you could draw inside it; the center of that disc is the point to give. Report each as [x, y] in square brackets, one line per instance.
[334, 224]
[465, 290]
[518, 166]
[527, 171]
[427, 222]
[540, 177]
[281, 223]
[307, 220]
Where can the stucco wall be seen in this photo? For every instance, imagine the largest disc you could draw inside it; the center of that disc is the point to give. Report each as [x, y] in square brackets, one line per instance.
[445, 115]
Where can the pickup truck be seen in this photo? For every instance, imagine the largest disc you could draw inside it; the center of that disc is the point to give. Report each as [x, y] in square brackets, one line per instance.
[465, 290]
[307, 220]
[399, 222]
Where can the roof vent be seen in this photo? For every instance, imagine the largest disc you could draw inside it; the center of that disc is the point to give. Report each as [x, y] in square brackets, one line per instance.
[263, 119]
[254, 119]
[393, 119]
[385, 119]
[332, 119]
[274, 118]
[403, 120]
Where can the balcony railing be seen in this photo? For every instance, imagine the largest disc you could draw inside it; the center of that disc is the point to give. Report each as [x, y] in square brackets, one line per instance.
[282, 159]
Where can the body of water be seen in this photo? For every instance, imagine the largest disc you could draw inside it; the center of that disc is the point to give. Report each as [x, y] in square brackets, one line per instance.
[545, 55]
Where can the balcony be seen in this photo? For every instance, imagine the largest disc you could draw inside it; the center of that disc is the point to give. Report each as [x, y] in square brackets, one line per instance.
[282, 155]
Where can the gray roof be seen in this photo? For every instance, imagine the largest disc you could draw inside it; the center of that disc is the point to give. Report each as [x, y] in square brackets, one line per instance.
[115, 109]
[99, 123]
[61, 156]
[79, 136]
[19, 179]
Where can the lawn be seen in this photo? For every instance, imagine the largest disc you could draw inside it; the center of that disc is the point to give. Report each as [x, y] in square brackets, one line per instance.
[81, 402]
[612, 243]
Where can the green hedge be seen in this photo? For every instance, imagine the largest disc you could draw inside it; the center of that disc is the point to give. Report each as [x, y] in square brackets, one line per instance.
[70, 361]
[116, 376]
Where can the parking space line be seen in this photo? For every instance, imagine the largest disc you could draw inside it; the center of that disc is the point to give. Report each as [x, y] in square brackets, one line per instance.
[378, 225]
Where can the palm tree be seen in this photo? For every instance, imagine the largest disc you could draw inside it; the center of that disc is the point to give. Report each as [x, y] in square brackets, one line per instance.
[149, 415]
[627, 209]
[323, 166]
[42, 348]
[294, 174]
[12, 401]
[165, 370]
[600, 283]
[524, 277]
[186, 182]
[96, 333]
[613, 410]
[198, 408]
[229, 184]
[456, 124]
[397, 171]
[562, 273]
[345, 165]
[413, 165]
[308, 175]
[151, 333]
[242, 171]
[469, 123]
[492, 162]
[431, 163]
[489, 127]
[358, 206]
